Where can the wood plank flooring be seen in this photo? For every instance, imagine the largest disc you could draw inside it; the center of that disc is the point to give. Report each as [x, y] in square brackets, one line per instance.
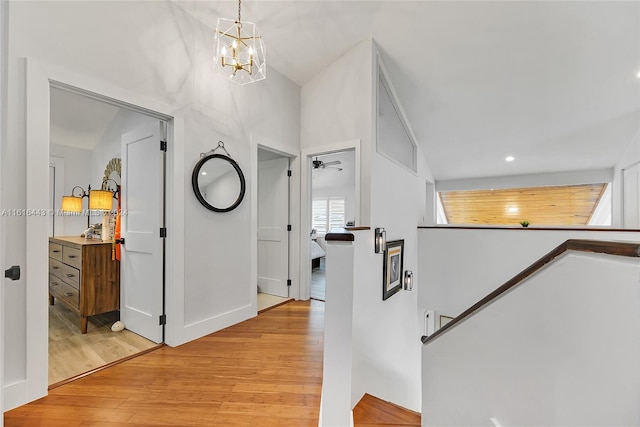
[266, 371]
[374, 412]
[72, 353]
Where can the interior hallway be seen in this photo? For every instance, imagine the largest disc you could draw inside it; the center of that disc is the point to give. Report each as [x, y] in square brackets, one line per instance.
[266, 371]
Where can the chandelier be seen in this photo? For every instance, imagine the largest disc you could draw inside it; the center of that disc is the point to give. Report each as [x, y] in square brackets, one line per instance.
[240, 53]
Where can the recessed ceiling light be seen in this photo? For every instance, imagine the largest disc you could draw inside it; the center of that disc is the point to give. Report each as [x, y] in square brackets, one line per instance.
[509, 158]
[513, 210]
[638, 75]
[204, 173]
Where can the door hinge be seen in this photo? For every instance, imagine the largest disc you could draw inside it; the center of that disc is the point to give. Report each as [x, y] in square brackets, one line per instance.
[288, 227]
[289, 172]
[163, 232]
[163, 319]
[288, 282]
[163, 145]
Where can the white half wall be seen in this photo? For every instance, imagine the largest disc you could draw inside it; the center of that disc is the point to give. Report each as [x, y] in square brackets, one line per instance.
[458, 267]
[561, 349]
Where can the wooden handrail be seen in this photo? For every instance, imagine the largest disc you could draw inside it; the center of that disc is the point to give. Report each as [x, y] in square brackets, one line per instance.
[596, 246]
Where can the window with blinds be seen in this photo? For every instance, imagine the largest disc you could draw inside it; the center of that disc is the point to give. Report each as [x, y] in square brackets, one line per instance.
[328, 213]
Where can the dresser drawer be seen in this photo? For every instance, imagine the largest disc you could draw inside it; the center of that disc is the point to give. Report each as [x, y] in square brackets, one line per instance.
[72, 257]
[55, 251]
[67, 273]
[63, 291]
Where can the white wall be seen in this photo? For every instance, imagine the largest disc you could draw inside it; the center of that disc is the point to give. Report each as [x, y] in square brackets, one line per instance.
[390, 328]
[110, 145]
[458, 267]
[530, 180]
[156, 52]
[339, 105]
[336, 107]
[560, 349]
[77, 171]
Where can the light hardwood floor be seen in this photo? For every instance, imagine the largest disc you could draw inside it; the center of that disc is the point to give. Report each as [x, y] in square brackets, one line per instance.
[266, 371]
[266, 301]
[72, 353]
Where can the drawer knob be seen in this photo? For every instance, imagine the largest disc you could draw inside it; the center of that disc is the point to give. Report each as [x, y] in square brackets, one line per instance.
[55, 251]
[69, 294]
[54, 267]
[70, 275]
[72, 256]
[54, 283]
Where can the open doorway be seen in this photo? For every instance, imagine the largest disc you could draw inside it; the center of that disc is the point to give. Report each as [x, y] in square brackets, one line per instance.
[98, 144]
[333, 205]
[274, 227]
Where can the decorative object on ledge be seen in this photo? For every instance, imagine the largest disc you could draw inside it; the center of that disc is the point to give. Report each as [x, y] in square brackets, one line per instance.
[524, 223]
[218, 181]
[240, 48]
[73, 203]
[408, 280]
[392, 268]
[380, 240]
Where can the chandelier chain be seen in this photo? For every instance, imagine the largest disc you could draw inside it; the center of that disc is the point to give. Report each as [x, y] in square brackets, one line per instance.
[239, 20]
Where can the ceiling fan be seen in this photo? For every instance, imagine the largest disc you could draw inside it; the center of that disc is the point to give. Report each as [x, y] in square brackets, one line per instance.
[319, 164]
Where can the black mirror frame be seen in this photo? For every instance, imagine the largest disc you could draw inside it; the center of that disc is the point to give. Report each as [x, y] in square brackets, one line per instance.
[196, 188]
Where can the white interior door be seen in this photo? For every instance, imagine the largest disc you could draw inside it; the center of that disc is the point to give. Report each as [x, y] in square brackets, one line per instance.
[273, 218]
[141, 267]
[631, 198]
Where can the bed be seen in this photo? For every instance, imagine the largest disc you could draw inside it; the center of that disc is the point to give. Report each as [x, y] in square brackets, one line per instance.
[316, 254]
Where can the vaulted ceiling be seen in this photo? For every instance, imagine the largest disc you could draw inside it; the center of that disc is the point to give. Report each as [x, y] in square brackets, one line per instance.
[552, 83]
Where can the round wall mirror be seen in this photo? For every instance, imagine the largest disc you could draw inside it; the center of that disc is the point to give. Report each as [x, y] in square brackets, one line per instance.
[218, 183]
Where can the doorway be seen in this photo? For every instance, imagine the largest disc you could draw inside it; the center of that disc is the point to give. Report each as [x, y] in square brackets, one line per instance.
[274, 228]
[333, 205]
[103, 144]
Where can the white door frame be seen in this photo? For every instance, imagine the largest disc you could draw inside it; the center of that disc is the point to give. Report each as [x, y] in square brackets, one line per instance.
[3, 134]
[623, 217]
[258, 142]
[58, 166]
[39, 78]
[305, 214]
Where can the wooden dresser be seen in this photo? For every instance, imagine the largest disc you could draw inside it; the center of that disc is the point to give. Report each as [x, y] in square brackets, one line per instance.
[83, 276]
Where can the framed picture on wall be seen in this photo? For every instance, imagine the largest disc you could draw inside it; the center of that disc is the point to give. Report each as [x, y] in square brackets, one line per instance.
[392, 268]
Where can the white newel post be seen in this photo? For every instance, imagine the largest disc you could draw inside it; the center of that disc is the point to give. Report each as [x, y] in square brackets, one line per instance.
[335, 404]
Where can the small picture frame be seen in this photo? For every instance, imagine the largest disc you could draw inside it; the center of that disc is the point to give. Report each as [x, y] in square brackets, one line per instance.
[392, 268]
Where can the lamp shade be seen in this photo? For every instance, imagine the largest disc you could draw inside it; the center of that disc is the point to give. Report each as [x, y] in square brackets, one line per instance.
[71, 204]
[100, 200]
